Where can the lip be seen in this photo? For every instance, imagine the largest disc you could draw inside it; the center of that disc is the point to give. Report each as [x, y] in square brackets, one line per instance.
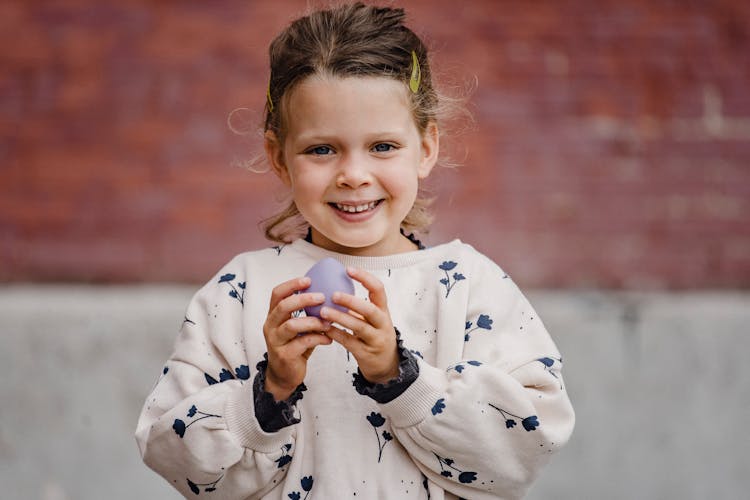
[356, 216]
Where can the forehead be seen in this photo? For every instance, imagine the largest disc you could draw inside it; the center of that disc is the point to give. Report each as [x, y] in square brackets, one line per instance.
[329, 102]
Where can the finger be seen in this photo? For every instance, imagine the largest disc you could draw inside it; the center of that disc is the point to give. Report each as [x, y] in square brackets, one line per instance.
[309, 352]
[347, 340]
[303, 345]
[298, 301]
[356, 325]
[292, 303]
[367, 311]
[286, 289]
[373, 285]
[293, 327]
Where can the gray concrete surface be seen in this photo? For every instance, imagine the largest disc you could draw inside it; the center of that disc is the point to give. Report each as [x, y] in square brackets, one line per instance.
[660, 383]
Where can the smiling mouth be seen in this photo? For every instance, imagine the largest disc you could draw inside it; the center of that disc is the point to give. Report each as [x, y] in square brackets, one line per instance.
[355, 209]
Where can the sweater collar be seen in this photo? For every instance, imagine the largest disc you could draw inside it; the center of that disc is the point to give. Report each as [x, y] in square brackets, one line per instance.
[373, 263]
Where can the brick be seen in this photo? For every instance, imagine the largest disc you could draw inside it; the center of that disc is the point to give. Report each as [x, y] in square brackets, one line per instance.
[610, 147]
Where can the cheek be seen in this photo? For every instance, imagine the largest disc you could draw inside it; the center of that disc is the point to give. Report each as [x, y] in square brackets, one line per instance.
[404, 191]
[307, 183]
[404, 181]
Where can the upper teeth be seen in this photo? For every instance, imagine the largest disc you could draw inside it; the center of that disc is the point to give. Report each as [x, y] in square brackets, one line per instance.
[356, 208]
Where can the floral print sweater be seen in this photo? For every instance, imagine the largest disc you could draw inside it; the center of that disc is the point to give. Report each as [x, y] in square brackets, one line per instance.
[484, 413]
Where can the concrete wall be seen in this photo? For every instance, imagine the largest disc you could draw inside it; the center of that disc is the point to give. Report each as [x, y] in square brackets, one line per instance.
[660, 383]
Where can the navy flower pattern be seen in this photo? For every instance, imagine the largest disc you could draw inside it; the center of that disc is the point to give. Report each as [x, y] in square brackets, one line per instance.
[529, 423]
[483, 321]
[161, 377]
[439, 406]
[548, 363]
[179, 425]
[446, 266]
[459, 367]
[285, 457]
[377, 420]
[426, 487]
[225, 375]
[207, 487]
[242, 372]
[237, 292]
[447, 469]
[306, 483]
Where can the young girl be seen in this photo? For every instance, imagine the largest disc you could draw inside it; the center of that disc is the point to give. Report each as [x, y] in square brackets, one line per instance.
[438, 381]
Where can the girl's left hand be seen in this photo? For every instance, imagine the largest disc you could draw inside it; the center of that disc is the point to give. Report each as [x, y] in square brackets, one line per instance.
[373, 339]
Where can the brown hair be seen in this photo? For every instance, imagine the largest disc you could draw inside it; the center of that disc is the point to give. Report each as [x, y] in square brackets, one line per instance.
[346, 41]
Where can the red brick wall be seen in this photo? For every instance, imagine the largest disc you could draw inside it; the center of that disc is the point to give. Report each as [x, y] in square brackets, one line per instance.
[611, 145]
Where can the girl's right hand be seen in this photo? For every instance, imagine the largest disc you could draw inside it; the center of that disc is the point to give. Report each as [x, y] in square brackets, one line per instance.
[289, 340]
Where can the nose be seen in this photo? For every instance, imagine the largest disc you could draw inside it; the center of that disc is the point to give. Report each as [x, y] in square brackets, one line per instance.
[353, 172]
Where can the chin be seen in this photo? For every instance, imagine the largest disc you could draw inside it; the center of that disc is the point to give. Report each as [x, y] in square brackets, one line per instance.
[356, 244]
[348, 243]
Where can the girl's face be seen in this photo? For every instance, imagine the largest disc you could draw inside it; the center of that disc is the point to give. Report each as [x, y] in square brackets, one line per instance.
[353, 158]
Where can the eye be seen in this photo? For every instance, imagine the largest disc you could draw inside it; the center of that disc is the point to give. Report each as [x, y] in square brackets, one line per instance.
[320, 151]
[383, 147]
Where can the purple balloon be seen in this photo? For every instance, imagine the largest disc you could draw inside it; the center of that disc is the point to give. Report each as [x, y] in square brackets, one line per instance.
[328, 276]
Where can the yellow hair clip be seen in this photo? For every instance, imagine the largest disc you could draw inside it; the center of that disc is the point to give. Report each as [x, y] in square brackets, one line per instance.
[416, 73]
[268, 97]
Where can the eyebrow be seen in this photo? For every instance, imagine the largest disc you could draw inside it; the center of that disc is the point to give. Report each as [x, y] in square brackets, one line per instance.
[326, 137]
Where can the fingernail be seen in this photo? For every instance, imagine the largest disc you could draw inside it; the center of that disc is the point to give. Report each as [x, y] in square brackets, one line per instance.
[319, 297]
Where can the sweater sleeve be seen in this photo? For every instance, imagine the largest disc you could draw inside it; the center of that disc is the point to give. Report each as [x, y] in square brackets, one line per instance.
[198, 427]
[483, 427]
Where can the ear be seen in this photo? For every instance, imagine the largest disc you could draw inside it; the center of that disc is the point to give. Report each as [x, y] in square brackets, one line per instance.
[275, 153]
[430, 150]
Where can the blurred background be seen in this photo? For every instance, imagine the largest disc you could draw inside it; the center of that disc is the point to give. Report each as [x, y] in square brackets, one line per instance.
[607, 170]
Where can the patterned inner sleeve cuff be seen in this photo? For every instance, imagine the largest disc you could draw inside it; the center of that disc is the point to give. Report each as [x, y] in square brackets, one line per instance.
[408, 369]
[273, 415]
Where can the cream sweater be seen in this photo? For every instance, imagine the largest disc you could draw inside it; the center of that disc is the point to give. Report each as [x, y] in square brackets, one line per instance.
[485, 412]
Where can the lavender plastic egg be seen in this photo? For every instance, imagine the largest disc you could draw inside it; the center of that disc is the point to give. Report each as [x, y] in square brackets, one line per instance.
[328, 276]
